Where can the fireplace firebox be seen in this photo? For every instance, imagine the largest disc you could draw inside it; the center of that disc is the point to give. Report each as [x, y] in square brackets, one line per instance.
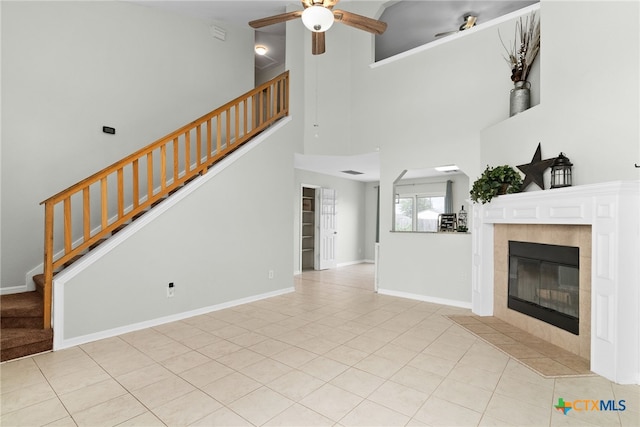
[544, 283]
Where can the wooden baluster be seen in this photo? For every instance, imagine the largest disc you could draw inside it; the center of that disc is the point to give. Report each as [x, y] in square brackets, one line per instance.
[176, 162]
[269, 104]
[228, 126]
[104, 203]
[120, 194]
[187, 153]
[285, 94]
[280, 96]
[209, 142]
[275, 94]
[48, 263]
[163, 167]
[260, 108]
[67, 224]
[246, 115]
[199, 145]
[276, 98]
[218, 135]
[236, 109]
[254, 112]
[149, 176]
[86, 213]
[136, 183]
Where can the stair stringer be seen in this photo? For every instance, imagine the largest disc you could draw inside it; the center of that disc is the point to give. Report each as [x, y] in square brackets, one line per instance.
[61, 279]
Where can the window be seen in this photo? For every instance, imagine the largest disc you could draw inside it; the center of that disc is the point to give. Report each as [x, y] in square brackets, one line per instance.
[418, 212]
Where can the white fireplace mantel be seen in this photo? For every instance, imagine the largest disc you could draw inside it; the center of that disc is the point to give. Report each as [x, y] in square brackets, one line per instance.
[613, 211]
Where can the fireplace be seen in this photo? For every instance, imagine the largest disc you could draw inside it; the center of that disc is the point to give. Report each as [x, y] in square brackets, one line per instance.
[605, 218]
[544, 283]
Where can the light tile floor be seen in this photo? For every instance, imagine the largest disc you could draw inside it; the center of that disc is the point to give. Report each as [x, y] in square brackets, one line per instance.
[331, 353]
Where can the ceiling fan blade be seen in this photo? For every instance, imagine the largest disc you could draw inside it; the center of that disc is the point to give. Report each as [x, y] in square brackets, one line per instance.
[469, 22]
[317, 43]
[360, 22]
[446, 33]
[275, 19]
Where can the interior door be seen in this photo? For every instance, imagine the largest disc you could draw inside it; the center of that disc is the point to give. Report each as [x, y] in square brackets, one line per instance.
[327, 231]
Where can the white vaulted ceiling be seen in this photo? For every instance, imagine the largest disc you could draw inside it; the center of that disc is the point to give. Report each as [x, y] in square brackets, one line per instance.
[410, 23]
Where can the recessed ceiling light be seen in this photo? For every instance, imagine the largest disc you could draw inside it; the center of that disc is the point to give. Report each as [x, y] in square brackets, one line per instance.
[261, 50]
[447, 168]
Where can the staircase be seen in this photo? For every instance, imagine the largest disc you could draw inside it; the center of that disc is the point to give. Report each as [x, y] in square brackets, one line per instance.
[125, 193]
[21, 326]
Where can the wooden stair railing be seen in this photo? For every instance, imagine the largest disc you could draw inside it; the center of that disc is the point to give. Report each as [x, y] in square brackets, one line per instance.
[151, 173]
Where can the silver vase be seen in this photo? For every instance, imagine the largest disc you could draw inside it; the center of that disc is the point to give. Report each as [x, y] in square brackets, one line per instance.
[520, 97]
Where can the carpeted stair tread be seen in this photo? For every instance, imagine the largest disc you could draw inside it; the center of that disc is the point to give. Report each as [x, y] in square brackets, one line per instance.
[25, 304]
[20, 342]
[21, 332]
[21, 322]
[96, 244]
[72, 260]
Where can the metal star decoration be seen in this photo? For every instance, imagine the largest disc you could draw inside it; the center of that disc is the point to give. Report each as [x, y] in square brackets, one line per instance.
[534, 171]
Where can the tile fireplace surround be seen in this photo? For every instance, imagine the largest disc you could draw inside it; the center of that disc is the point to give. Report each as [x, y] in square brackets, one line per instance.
[612, 211]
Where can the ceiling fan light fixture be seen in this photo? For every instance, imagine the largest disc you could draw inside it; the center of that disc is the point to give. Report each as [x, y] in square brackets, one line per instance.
[317, 18]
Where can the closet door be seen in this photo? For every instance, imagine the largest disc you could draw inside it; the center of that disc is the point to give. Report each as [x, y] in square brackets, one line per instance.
[327, 201]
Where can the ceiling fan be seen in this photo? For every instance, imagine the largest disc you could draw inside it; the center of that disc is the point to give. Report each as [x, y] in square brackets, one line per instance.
[318, 16]
[469, 22]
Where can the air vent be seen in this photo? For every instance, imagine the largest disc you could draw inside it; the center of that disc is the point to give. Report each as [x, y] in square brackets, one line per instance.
[351, 172]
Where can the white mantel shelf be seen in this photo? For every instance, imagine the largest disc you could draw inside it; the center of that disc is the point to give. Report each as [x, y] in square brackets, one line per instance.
[613, 211]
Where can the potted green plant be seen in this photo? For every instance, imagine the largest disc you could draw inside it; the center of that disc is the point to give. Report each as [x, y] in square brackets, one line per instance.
[495, 181]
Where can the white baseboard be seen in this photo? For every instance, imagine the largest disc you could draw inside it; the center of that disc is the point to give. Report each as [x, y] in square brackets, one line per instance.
[15, 290]
[425, 298]
[343, 264]
[348, 263]
[59, 343]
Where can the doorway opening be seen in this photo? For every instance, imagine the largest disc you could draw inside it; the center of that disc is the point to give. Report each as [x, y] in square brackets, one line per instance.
[318, 232]
[308, 229]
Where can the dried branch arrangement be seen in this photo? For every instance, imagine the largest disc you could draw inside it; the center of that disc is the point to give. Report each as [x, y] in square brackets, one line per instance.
[525, 47]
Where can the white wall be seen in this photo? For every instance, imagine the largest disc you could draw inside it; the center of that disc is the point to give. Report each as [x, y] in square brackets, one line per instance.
[351, 218]
[589, 107]
[431, 266]
[217, 245]
[68, 68]
[450, 104]
[263, 76]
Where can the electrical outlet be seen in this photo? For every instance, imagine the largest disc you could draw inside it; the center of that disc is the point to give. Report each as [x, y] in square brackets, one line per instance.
[270, 274]
[170, 290]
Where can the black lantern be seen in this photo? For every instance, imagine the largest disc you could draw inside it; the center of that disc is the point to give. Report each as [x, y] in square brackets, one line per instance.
[561, 172]
[462, 220]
